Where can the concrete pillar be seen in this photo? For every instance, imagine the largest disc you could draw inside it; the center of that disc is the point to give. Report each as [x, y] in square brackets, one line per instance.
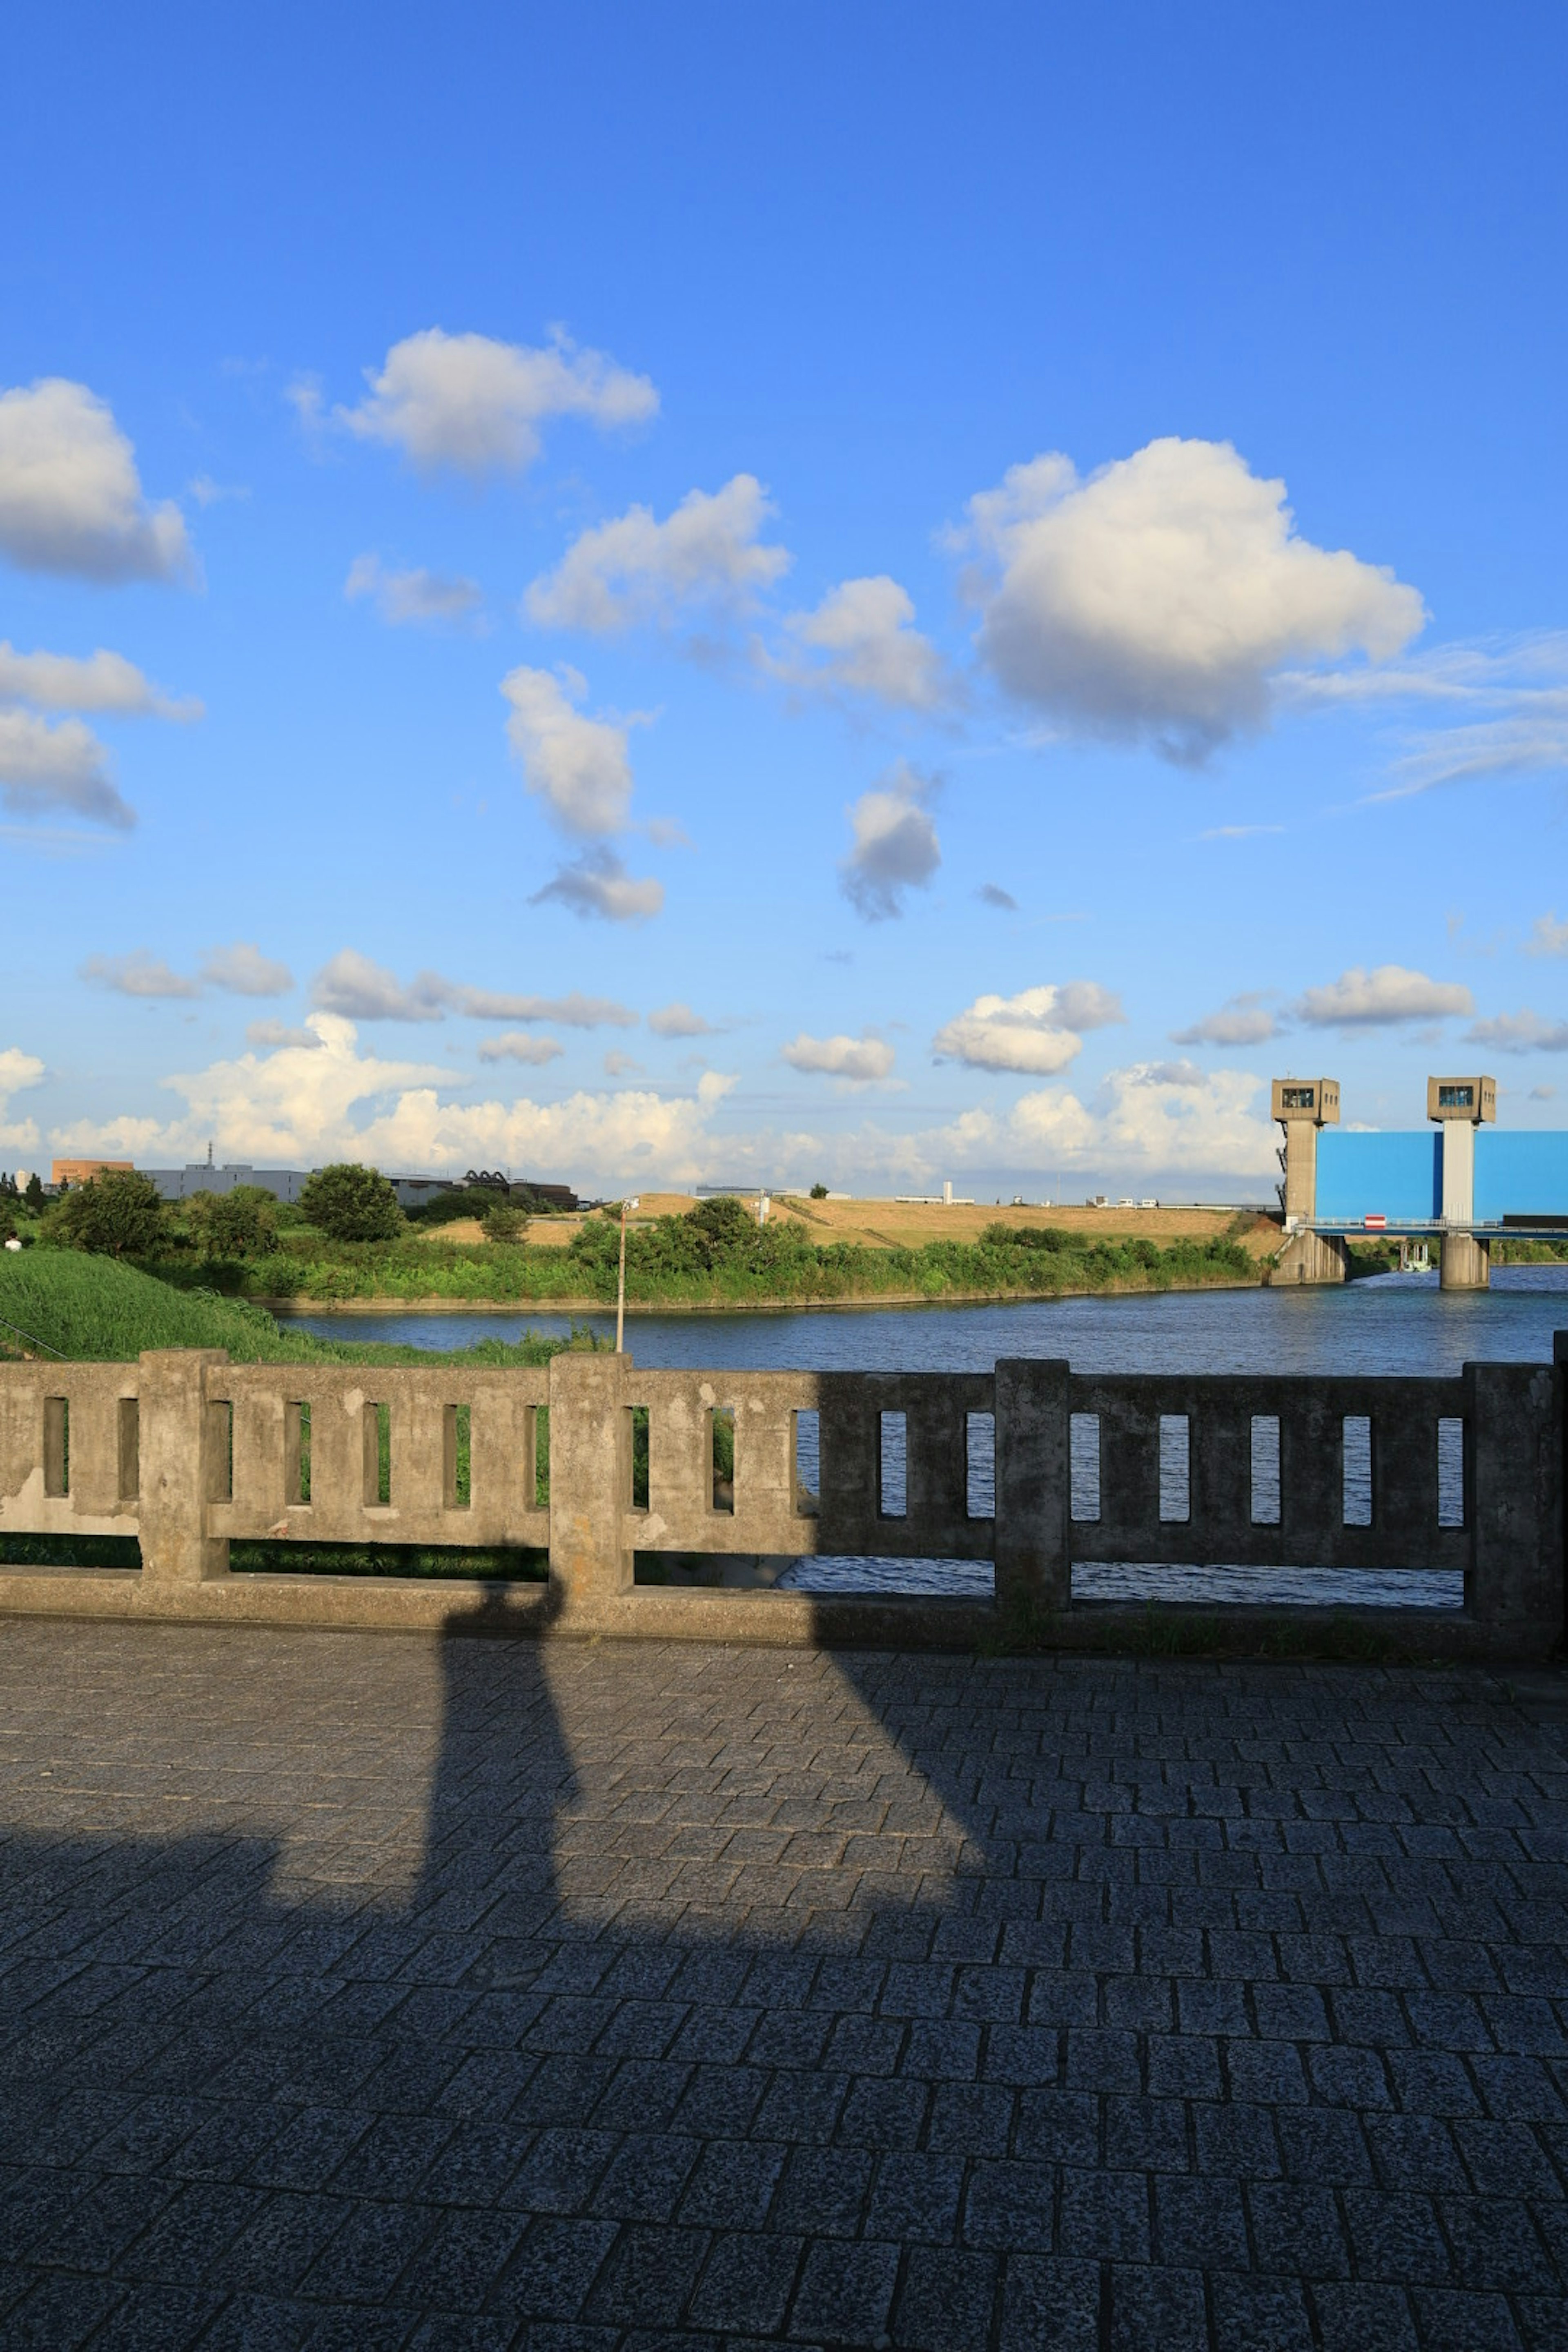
[590, 1477]
[1513, 1498]
[1301, 1172]
[1033, 1545]
[183, 1462]
[1310, 1257]
[1467, 1262]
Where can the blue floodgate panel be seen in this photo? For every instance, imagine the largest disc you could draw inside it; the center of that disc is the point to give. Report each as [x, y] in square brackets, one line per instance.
[1521, 1176]
[1390, 1175]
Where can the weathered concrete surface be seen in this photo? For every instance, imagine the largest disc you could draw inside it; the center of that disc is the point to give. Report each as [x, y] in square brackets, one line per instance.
[1467, 1263]
[1311, 1257]
[573, 1999]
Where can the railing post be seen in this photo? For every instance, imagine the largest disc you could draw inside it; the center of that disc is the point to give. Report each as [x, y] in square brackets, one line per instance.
[1034, 1532]
[179, 1465]
[1513, 1503]
[590, 1477]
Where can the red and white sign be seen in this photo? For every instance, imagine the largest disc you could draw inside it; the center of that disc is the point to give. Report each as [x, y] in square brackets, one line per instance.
[1376, 1223]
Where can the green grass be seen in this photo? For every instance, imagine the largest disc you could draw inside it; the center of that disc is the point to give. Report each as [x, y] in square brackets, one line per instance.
[95, 1310]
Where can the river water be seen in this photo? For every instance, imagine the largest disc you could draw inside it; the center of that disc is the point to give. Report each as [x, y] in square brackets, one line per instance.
[1392, 1323]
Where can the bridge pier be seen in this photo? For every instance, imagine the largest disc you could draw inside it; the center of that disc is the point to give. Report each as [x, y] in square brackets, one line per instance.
[1314, 1257]
[1467, 1263]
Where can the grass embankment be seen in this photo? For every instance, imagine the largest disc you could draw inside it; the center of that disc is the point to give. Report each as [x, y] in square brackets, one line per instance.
[63, 1304]
[715, 1255]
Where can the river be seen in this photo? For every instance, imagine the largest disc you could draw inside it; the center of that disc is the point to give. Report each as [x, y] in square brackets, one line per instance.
[1392, 1323]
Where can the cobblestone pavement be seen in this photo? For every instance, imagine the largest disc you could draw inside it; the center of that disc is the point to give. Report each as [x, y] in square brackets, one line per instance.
[368, 1993]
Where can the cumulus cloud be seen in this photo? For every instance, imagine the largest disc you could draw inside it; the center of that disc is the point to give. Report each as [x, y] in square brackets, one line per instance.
[267, 1034]
[1159, 598]
[636, 570]
[598, 884]
[895, 848]
[1039, 1030]
[677, 1020]
[351, 985]
[861, 1061]
[138, 974]
[1548, 937]
[413, 598]
[579, 766]
[238, 970]
[1369, 1000]
[477, 405]
[103, 682]
[991, 894]
[1521, 1033]
[18, 1071]
[299, 1107]
[517, 1046]
[243, 971]
[45, 768]
[70, 497]
[1240, 1021]
[865, 631]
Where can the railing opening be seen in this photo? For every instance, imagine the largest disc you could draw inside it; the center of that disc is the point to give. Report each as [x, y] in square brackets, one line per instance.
[56, 1446]
[892, 1466]
[457, 1457]
[377, 1455]
[127, 1450]
[220, 1451]
[1356, 1474]
[1083, 1448]
[980, 1464]
[1264, 1470]
[807, 1464]
[539, 1418]
[721, 1455]
[1451, 1472]
[636, 1415]
[296, 1453]
[1175, 1461]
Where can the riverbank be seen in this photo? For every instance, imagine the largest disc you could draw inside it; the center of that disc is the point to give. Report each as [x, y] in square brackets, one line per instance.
[395, 1304]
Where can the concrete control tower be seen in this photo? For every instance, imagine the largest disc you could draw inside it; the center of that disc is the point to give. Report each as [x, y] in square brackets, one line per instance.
[1460, 1106]
[1302, 1107]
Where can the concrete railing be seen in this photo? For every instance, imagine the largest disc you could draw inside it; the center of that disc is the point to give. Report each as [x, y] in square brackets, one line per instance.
[599, 1465]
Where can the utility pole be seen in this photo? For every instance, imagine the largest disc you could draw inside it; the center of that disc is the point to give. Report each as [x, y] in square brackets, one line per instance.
[621, 1283]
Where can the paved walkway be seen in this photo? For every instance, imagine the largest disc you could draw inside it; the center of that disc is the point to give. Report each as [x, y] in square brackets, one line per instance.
[368, 1993]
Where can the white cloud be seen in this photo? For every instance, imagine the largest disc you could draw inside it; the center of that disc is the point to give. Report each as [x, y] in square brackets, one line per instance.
[1521, 1033]
[1038, 1030]
[477, 405]
[895, 848]
[866, 630]
[1236, 832]
[138, 974]
[620, 1065]
[579, 766]
[861, 1061]
[413, 598]
[47, 768]
[1148, 1119]
[1240, 1021]
[1548, 937]
[351, 985]
[635, 568]
[1160, 598]
[243, 971]
[17, 1070]
[991, 894]
[267, 1034]
[677, 1020]
[598, 884]
[517, 1046]
[103, 681]
[70, 497]
[1497, 707]
[1364, 1000]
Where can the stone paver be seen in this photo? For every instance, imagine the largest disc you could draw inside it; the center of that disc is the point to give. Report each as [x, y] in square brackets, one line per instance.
[376, 1992]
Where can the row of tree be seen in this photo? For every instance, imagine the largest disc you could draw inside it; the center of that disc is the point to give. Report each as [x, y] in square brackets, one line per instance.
[120, 1213]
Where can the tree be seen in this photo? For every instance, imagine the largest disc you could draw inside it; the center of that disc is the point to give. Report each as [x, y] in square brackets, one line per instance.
[241, 1224]
[352, 1203]
[117, 1213]
[503, 1221]
[34, 1195]
[819, 1192]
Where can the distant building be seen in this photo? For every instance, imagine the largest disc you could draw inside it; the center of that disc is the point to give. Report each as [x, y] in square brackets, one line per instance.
[201, 1176]
[288, 1183]
[82, 1171]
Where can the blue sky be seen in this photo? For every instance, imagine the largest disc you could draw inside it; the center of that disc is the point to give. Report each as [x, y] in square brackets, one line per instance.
[879, 594]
